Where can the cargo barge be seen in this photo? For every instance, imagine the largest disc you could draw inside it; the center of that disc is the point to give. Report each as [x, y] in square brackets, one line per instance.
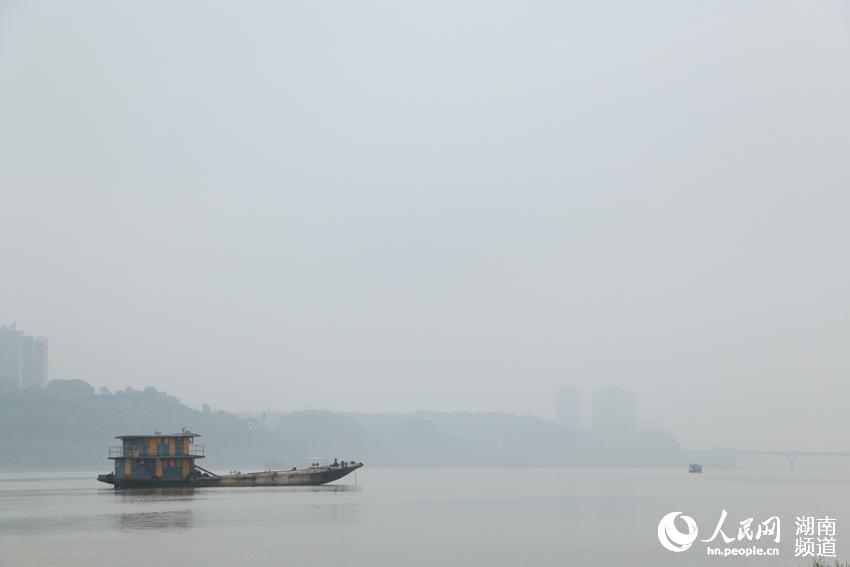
[163, 460]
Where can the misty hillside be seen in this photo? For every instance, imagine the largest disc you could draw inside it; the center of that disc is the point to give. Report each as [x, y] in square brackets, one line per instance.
[70, 425]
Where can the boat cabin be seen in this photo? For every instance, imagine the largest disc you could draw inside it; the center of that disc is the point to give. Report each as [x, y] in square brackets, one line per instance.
[156, 457]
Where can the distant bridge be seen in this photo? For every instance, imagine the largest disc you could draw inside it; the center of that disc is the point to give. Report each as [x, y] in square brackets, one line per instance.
[791, 455]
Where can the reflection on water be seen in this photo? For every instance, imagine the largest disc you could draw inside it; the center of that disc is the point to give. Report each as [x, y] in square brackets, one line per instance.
[176, 519]
[330, 488]
[148, 494]
[188, 492]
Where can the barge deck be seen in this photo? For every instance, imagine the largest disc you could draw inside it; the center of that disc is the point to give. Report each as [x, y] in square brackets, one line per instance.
[168, 460]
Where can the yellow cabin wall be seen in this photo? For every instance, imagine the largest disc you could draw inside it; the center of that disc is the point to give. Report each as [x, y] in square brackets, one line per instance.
[153, 443]
[185, 445]
[185, 467]
[128, 466]
[172, 446]
[158, 471]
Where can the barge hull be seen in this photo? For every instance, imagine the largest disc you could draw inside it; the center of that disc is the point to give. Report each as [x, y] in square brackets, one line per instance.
[313, 476]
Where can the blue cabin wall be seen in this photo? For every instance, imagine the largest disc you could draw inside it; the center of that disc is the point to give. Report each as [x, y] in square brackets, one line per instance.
[172, 468]
[143, 468]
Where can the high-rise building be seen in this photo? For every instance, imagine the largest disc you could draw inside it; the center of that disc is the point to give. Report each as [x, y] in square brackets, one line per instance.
[568, 407]
[613, 411]
[23, 359]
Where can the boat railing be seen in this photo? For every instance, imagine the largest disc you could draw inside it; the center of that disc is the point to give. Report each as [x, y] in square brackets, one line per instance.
[144, 451]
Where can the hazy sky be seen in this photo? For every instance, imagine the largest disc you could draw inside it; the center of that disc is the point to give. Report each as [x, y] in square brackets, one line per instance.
[391, 206]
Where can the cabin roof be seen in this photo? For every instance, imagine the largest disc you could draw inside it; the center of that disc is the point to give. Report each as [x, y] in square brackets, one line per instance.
[148, 435]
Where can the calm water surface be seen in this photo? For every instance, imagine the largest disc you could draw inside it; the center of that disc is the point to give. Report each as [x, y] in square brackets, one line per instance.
[404, 517]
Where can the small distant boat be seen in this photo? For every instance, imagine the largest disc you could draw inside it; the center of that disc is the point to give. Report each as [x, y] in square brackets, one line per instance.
[694, 468]
[160, 460]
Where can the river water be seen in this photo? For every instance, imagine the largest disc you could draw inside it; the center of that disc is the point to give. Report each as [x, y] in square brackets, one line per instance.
[411, 518]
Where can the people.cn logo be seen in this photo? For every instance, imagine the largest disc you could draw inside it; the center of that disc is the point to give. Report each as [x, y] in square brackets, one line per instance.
[671, 537]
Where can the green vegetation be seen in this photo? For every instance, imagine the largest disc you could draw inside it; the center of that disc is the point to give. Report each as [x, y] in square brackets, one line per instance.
[70, 425]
